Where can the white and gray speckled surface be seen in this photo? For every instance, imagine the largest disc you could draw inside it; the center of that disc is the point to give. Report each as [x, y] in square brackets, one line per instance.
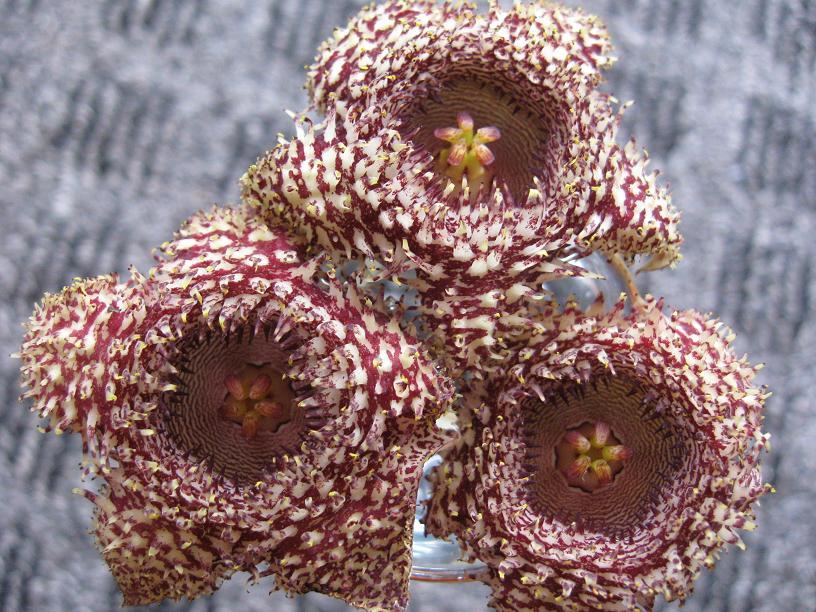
[119, 118]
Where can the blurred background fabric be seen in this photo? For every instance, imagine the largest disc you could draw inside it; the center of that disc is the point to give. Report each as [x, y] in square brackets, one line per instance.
[119, 118]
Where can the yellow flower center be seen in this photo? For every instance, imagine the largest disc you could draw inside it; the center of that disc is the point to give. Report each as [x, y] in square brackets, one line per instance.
[257, 399]
[590, 456]
[468, 155]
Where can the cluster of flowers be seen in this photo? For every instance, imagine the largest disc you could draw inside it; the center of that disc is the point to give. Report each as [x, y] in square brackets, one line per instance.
[258, 403]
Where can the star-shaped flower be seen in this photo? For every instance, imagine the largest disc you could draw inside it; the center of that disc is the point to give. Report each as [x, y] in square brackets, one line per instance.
[610, 462]
[472, 153]
[240, 414]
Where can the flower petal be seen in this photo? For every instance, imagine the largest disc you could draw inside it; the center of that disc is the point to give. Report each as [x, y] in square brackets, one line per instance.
[64, 366]
[627, 211]
[151, 558]
[544, 41]
[364, 556]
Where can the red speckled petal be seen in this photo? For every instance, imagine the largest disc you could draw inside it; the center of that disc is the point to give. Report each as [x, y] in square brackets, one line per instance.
[150, 557]
[411, 41]
[65, 367]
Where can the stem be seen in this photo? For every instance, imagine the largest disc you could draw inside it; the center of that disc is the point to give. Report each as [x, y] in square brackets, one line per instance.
[623, 272]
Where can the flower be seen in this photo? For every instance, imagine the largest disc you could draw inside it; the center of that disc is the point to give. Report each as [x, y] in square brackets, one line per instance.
[472, 150]
[608, 464]
[241, 416]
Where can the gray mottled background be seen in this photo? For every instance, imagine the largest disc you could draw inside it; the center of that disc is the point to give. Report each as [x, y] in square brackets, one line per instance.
[119, 118]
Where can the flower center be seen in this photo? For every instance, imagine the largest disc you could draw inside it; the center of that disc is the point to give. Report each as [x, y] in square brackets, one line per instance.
[258, 400]
[590, 456]
[521, 142]
[468, 153]
[231, 409]
[604, 413]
